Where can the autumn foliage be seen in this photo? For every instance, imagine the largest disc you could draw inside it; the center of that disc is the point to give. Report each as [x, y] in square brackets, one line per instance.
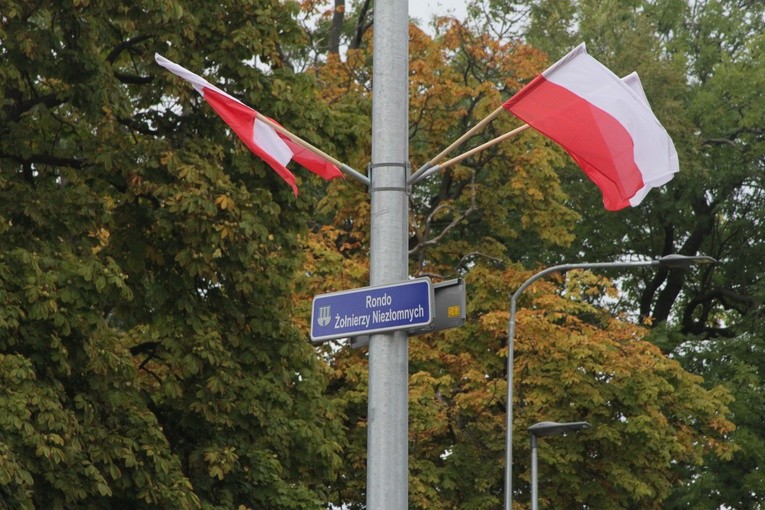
[156, 278]
[574, 359]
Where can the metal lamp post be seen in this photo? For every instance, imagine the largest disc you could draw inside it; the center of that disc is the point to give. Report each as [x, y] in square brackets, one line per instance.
[672, 261]
[545, 429]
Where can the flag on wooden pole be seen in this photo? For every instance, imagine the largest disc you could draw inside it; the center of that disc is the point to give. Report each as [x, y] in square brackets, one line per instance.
[603, 123]
[269, 142]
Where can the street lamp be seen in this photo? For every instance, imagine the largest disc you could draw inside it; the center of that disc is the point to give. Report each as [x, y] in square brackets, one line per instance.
[545, 429]
[672, 261]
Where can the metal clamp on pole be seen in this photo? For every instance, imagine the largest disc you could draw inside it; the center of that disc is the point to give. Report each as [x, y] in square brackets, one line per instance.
[404, 166]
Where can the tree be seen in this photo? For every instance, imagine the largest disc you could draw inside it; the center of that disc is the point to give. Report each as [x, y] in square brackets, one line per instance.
[687, 72]
[473, 221]
[702, 68]
[737, 364]
[574, 361]
[147, 355]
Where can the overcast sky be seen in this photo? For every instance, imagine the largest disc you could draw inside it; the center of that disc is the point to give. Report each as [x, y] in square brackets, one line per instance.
[425, 9]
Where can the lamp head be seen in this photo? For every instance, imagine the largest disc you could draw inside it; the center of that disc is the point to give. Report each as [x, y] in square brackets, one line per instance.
[676, 261]
[552, 428]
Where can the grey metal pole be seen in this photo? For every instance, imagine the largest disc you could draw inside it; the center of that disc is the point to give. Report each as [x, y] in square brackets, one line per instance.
[509, 416]
[534, 474]
[511, 355]
[670, 261]
[388, 413]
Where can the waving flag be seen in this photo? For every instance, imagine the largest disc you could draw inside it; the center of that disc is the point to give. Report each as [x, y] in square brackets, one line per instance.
[275, 148]
[604, 123]
[633, 81]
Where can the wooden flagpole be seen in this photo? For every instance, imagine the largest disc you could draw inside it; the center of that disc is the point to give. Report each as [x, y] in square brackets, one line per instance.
[476, 150]
[495, 141]
[464, 137]
[459, 141]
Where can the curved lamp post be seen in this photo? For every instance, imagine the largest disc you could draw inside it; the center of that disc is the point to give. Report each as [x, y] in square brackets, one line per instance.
[672, 261]
[545, 429]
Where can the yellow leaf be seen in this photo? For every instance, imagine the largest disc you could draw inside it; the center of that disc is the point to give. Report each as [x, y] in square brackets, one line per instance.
[224, 202]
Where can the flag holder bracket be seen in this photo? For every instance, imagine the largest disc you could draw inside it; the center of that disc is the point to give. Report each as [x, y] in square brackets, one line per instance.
[404, 166]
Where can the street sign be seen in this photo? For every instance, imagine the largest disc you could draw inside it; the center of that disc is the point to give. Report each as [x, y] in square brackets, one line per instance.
[449, 306]
[449, 310]
[367, 310]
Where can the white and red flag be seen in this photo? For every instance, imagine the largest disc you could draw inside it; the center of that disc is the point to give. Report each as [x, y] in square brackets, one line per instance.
[604, 123]
[275, 148]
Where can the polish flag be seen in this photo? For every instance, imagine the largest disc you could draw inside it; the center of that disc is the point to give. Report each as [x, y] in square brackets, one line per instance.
[604, 123]
[275, 148]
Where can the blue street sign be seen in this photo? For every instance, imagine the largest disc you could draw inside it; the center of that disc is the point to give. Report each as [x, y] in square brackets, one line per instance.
[349, 313]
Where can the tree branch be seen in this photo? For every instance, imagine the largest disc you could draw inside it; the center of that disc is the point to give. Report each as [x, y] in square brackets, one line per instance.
[729, 298]
[361, 26]
[124, 45]
[336, 28]
[144, 347]
[721, 141]
[456, 221]
[137, 126]
[477, 254]
[646, 298]
[49, 100]
[675, 278]
[117, 51]
[133, 79]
